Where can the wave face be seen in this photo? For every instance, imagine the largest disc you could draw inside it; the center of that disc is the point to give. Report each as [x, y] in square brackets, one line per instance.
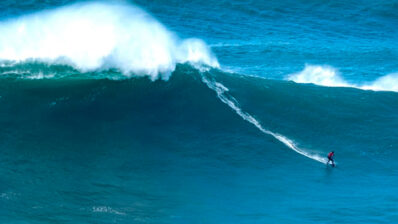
[100, 36]
[106, 148]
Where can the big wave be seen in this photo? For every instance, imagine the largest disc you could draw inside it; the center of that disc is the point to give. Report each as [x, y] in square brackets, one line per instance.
[329, 76]
[100, 36]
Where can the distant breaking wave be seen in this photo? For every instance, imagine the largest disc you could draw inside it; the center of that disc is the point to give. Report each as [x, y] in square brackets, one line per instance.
[329, 76]
[100, 36]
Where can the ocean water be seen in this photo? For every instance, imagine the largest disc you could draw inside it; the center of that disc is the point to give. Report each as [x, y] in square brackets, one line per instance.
[198, 111]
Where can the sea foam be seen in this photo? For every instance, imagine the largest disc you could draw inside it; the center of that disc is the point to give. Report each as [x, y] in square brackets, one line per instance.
[329, 76]
[100, 36]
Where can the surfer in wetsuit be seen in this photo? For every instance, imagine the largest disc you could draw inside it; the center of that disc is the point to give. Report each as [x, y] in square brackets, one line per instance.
[330, 158]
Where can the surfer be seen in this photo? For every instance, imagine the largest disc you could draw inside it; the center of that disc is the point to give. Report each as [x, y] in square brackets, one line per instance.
[330, 158]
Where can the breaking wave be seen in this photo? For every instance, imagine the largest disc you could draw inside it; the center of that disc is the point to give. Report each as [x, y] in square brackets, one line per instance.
[100, 36]
[329, 76]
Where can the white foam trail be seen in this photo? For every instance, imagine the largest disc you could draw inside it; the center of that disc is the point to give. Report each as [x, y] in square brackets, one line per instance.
[329, 76]
[99, 36]
[221, 91]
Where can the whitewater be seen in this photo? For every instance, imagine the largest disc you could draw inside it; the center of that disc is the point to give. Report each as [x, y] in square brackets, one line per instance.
[100, 36]
[330, 77]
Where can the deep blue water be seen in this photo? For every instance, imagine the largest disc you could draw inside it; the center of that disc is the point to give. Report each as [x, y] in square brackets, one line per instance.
[198, 111]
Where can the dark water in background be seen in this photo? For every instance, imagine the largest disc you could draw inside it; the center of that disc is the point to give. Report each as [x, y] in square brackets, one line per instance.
[116, 120]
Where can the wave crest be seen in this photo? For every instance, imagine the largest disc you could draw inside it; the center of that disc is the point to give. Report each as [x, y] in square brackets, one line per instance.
[100, 36]
[386, 83]
[320, 75]
[329, 76]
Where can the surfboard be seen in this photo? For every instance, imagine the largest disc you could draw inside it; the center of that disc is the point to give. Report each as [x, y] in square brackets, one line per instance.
[332, 165]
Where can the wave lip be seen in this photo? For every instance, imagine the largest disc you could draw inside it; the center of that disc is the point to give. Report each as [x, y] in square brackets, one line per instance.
[100, 36]
[329, 76]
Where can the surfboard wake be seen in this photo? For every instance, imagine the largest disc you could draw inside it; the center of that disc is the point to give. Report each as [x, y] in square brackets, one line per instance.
[222, 94]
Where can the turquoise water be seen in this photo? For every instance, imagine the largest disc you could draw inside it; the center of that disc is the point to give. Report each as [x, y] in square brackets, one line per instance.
[198, 112]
